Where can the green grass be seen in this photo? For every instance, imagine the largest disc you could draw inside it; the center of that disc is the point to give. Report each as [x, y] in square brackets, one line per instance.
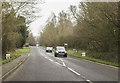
[13, 56]
[70, 50]
[75, 51]
[94, 60]
[16, 54]
[53, 50]
[25, 50]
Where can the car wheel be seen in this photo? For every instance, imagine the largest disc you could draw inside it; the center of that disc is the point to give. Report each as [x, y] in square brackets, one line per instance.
[55, 55]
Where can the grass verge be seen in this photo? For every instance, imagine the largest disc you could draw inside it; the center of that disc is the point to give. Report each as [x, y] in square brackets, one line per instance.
[94, 60]
[25, 50]
[13, 56]
[16, 54]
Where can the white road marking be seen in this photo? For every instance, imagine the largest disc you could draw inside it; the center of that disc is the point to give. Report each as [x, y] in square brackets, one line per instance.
[58, 58]
[43, 50]
[28, 54]
[61, 60]
[89, 81]
[50, 59]
[73, 71]
[79, 74]
[46, 57]
[63, 64]
[58, 63]
[83, 77]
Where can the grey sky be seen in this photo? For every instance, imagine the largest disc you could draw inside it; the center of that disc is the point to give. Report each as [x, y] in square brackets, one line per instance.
[46, 9]
[55, 6]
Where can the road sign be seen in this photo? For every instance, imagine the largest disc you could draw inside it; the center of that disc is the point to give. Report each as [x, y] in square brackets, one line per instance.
[7, 56]
[83, 53]
[26, 43]
[65, 44]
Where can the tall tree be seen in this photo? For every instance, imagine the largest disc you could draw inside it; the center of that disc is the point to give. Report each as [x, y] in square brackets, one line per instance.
[15, 17]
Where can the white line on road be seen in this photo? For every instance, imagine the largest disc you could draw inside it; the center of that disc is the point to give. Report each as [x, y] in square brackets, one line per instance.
[79, 74]
[58, 58]
[73, 71]
[43, 50]
[42, 54]
[28, 54]
[50, 59]
[63, 64]
[46, 57]
[61, 59]
[89, 81]
[58, 63]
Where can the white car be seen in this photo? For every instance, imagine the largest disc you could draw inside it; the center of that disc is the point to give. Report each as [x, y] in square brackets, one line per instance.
[60, 51]
[37, 45]
[49, 49]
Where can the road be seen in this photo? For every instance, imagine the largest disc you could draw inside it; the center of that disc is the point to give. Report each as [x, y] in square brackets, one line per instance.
[42, 66]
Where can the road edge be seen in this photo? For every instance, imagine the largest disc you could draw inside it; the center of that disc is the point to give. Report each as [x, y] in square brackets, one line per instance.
[114, 67]
[14, 68]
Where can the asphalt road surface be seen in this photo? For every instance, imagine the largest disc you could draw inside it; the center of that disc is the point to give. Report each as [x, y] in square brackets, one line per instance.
[42, 66]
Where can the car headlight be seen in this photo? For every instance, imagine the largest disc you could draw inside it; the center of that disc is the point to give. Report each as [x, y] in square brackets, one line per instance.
[56, 51]
[65, 52]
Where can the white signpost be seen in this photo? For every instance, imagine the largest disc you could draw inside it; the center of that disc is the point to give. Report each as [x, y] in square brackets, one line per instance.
[83, 53]
[65, 44]
[7, 56]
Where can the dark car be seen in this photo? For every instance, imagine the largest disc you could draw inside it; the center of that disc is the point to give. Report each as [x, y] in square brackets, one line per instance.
[60, 51]
[49, 49]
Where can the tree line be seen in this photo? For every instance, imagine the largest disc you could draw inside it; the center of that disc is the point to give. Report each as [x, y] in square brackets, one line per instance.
[91, 26]
[15, 18]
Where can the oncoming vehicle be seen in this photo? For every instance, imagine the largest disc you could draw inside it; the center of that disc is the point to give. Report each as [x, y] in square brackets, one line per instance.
[60, 51]
[49, 49]
[37, 45]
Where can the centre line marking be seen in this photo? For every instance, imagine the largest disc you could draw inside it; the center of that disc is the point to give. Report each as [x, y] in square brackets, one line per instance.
[61, 60]
[73, 71]
[50, 59]
[58, 63]
[45, 57]
[63, 64]
[89, 81]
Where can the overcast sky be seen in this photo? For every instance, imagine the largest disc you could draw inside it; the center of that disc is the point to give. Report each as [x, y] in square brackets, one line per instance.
[47, 8]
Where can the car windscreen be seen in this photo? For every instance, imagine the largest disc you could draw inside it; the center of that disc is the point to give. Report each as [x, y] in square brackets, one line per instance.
[60, 48]
[49, 48]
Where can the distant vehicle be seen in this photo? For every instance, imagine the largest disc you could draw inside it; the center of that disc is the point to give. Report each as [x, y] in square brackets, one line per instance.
[37, 45]
[49, 49]
[60, 51]
[26, 44]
